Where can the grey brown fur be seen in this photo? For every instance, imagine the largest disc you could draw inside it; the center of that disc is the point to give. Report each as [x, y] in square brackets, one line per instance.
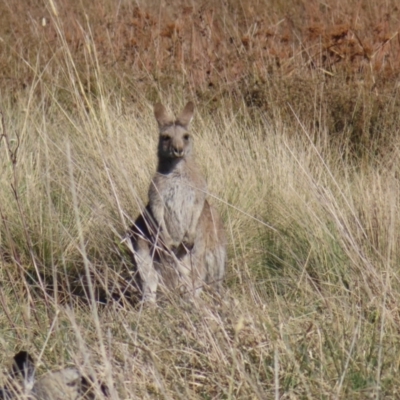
[179, 240]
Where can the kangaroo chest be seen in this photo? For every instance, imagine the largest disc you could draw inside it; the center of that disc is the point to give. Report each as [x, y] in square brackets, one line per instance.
[179, 200]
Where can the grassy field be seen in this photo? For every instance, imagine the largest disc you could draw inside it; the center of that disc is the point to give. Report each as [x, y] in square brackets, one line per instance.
[297, 131]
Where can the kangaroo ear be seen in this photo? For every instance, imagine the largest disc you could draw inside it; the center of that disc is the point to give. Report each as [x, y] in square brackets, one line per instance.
[23, 365]
[186, 115]
[162, 116]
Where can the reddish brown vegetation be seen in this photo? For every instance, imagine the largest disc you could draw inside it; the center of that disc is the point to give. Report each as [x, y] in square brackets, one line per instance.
[209, 42]
[267, 54]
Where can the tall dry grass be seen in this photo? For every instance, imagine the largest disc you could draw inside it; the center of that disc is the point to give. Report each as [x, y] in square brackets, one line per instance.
[310, 302]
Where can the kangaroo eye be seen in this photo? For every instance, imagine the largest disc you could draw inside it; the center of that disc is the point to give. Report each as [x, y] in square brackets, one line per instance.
[186, 136]
[165, 138]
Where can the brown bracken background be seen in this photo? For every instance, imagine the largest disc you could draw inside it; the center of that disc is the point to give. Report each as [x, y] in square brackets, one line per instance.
[334, 63]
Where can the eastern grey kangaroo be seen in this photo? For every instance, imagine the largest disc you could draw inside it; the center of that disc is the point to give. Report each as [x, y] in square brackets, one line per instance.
[178, 240]
[64, 384]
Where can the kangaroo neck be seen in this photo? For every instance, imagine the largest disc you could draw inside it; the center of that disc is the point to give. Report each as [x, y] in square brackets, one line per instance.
[166, 166]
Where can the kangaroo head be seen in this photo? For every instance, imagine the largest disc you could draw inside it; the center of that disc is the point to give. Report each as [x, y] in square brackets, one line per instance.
[21, 377]
[23, 367]
[175, 141]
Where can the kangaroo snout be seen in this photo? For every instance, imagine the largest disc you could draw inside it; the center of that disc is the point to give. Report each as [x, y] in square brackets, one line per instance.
[178, 152]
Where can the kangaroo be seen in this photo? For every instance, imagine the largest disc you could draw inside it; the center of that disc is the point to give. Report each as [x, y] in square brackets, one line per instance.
[179, 239]
[64, 384]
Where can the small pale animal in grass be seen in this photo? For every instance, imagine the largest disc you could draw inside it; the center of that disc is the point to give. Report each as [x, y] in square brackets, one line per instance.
[178, 240]
[64, 384]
